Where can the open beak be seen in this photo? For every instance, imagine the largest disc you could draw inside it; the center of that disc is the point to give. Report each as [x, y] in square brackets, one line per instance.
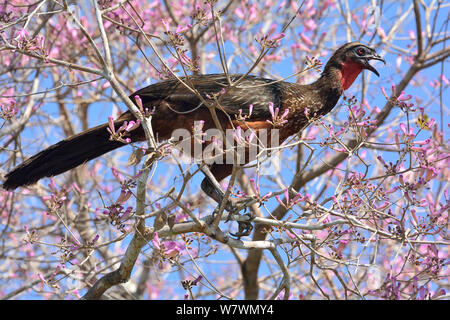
[368, 66]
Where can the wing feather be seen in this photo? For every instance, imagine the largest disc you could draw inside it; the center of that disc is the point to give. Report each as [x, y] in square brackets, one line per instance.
[250, 90]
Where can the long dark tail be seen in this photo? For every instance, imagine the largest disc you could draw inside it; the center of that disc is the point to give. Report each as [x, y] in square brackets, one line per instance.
[62, 156]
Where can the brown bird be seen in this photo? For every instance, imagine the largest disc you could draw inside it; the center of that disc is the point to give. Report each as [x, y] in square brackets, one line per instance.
[175, 106]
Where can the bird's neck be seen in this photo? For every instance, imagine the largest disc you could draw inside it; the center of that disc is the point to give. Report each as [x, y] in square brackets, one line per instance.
[333, 81]
[329, 88]
[319, 97]
[348, 73]
[310, 101]
[344, 73]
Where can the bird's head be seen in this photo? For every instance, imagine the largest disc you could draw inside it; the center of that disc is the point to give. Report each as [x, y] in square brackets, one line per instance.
[350, 59]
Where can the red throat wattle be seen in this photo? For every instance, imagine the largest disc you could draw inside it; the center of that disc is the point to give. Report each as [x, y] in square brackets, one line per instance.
[349, 72]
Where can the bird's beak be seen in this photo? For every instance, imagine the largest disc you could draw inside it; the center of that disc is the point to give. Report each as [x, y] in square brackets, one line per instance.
[372, 57]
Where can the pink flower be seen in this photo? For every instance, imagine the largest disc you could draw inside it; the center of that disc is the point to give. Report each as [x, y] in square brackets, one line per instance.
[166, 25]
[183, 29]
[402, 97]
[278, 37]
[276, 120]
[239, 13]
[279, 201]
[132, 125]
[111, 128]
[271, 109]
[173, 248]
[138, 100]
[403, 128]
[301, 47]
[310, 25]
[381, 33]
[22, 34]
[384, 93]
[155, 241]
[306, 39]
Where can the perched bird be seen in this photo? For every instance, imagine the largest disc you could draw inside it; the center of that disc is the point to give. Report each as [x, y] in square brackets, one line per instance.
[175, 106]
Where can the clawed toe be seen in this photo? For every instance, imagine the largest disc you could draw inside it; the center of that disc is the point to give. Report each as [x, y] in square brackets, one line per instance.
[234, 206]
[245, 229]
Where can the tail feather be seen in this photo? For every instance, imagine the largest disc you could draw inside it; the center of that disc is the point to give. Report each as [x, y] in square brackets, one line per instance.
[61, 157]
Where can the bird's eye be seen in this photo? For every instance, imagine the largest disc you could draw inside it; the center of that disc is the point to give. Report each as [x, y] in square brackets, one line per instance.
[360, 51]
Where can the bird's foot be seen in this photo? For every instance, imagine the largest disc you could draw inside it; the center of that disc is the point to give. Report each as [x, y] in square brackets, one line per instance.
[234, 206]
[244, 227]
[237, 205]
[229, 206]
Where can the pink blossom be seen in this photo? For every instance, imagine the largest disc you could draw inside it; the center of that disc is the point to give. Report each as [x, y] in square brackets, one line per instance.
[280, 202]
[181, 28]
[310, 25]
[138, 101]
[22, 34]
[306, 39]
[239, 13]
[381, 33]
[155, 241]
[173, 248]
[166, 25]
[301, 47]
[326, 4]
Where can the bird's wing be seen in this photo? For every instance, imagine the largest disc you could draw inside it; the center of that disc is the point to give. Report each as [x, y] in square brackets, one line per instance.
[250, 90]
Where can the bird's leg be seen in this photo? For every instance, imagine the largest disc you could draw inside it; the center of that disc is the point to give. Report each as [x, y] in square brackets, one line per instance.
[244, 229]
[212, 188]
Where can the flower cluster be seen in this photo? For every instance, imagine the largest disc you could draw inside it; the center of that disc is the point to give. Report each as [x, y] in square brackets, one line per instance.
[57, 198]
[146, 112]
[66, 250]
[201, 16]
[8, 110]
[430, 263]
[31, 236]
[267, 42]
[188, 284]
[399, 101]
[392, 289]
[51, 280]
[123, 131]
[277, 120]
[313, 63]
[257, 192]
[291, 202]
[117, 213]
[177, 41]
[36, 44]
[243, 138]
[243, 117]
[168, 249]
